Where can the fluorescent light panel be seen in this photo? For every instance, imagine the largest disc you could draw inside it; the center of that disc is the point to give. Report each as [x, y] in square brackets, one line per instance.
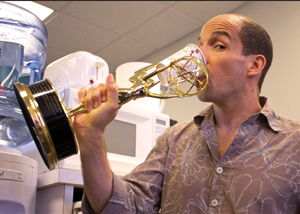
[37, 9]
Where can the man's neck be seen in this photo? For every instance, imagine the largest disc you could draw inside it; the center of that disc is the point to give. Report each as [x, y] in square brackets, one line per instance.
[228, 118]
[232, 114]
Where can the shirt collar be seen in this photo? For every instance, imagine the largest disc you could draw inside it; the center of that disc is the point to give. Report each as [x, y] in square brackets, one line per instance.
[267, 111]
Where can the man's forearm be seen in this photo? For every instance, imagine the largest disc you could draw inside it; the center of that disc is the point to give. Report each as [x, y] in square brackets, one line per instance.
[97, 174]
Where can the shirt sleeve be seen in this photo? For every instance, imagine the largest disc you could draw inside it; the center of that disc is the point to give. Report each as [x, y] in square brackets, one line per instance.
[140, 190]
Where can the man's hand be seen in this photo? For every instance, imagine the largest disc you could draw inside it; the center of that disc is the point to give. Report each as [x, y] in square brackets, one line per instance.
[101, 104]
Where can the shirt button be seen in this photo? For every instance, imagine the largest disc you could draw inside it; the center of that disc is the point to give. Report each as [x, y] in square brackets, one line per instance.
[214, 202]
[219, 170]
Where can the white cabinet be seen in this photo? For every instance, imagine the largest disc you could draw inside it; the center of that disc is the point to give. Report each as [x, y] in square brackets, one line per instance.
[55, 191]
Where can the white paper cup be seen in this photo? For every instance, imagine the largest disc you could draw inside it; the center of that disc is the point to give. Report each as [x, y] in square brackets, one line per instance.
[191, 68]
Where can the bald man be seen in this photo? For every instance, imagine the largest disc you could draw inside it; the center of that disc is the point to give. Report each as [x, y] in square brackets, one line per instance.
[235, 156]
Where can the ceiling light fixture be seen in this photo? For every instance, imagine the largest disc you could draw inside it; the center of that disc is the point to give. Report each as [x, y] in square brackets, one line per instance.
[37, 9]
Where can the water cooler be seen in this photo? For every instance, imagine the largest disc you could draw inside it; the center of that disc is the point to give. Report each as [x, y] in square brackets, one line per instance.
[23, 38]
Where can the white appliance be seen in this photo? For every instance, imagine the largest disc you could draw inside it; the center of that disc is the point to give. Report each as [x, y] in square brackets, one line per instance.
[18, 182]
[79, 69]
[129, 139]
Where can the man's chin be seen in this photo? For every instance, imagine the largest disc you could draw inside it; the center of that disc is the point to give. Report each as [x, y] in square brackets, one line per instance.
[206, 96]
[203, 98]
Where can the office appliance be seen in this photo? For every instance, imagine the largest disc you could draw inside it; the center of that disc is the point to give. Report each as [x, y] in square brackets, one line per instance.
[18, 182]
[22, 54]
[129, 139]
[79, 69]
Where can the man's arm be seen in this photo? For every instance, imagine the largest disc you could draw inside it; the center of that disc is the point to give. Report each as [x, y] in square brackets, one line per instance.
[102, 106]
[140, 190]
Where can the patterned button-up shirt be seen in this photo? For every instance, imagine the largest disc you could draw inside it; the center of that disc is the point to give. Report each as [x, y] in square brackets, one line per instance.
[184, 174]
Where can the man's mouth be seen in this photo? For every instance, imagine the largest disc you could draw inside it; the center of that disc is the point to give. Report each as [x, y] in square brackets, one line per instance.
[201, 77]
[201, 80]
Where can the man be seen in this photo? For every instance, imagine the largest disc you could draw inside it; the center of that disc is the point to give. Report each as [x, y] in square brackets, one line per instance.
[236, 156]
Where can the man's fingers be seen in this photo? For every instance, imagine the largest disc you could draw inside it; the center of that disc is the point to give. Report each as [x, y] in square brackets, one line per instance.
[112, 91]
[81, 94]
[89, 104]
[93, 97]
[99, 95]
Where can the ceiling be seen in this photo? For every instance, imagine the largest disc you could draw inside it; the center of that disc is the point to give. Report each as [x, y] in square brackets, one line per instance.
[124, 31]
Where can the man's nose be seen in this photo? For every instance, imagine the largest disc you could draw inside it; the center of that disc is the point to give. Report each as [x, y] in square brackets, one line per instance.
[204, 53]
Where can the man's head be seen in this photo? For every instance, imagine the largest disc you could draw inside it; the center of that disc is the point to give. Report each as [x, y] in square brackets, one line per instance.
[256, 40]
[235, 48]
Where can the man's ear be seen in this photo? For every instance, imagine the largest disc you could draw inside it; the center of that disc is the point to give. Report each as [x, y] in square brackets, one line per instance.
[256, 65]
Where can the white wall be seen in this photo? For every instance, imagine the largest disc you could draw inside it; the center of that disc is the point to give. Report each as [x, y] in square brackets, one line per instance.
[282, 83]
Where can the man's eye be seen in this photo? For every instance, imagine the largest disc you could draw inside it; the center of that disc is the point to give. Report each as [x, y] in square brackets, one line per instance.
[221, 47]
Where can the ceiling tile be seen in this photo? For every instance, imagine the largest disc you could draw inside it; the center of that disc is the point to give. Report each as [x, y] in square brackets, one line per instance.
[164, 29]
[70, 34]
[205, 10]
[169, 3]
[55, 5]
[122, 51]
[117, 16]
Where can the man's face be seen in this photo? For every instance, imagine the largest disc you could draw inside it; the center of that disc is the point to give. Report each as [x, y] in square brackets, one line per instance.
[227, 67]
